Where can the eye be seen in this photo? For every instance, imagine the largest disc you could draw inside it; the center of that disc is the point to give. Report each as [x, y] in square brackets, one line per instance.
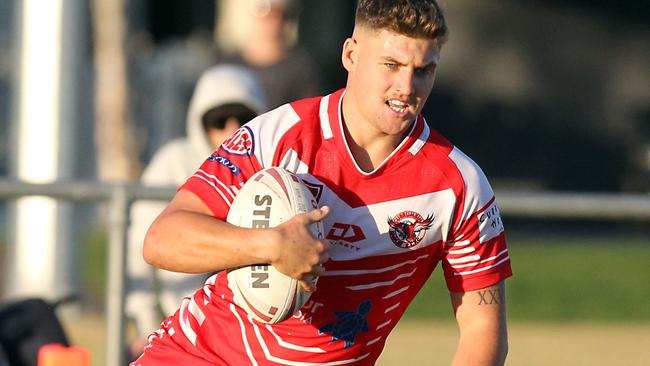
[390, 65]
[424, 71]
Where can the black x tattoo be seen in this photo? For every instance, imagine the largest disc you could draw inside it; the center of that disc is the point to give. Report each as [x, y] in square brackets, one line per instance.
[494, 297]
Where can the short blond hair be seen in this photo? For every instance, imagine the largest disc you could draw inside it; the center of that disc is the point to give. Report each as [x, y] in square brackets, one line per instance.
[413, 18]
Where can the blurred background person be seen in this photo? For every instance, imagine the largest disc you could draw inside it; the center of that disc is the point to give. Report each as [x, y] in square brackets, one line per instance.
[267, 46]
[225, 97]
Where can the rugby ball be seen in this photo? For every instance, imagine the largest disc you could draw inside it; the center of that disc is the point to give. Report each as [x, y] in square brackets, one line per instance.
[269, 198]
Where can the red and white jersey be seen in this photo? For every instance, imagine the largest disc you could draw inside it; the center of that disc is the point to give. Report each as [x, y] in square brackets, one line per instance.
[426, 203]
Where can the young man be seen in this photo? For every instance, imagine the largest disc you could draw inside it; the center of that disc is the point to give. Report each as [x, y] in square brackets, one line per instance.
[396, 199]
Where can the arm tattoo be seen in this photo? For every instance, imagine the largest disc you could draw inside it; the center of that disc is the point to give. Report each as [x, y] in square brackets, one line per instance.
[490, 297]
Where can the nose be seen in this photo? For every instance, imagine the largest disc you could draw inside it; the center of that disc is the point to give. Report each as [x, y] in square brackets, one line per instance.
[405, 82]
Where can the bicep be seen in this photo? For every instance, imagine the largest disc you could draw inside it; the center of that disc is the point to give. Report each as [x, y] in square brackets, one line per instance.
[485, 307]
[481, 317]
[172, 226]
[172, 215]
[185, 200]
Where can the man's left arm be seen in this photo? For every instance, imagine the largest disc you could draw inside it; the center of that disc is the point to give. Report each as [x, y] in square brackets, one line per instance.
[481, 318]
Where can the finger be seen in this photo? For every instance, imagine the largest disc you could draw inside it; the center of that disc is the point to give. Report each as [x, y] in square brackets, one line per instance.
[311, 278]
[318, 271]
[326, 245]
[307, 286]
[318, 214]
[324, 257]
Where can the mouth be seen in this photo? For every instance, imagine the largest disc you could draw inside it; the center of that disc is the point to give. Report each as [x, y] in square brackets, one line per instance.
[397, 106]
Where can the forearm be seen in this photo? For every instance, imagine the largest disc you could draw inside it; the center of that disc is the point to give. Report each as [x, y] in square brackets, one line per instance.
[192, 242]
[186, 238]
[481, 347]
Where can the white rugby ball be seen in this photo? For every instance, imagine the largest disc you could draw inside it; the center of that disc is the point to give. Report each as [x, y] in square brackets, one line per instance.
[269, 198]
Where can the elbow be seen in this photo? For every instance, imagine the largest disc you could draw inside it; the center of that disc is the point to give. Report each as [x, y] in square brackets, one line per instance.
[505, 350]
[502, 350]
[151, 248]
[503, 353]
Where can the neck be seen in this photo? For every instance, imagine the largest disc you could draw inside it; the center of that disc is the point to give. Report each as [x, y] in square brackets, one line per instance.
[368, 156]
[369, 146]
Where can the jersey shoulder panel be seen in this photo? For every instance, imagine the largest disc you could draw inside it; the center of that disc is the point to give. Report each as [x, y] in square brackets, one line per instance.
[253, 147]
[475, 182]
[476, 254]
[463, 175]
[272, 130]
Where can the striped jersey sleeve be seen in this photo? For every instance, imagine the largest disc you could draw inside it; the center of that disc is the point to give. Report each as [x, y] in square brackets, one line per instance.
[250, 149]
[476, 255]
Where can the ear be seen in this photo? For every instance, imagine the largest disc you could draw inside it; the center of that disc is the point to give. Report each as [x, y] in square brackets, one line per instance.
[350, 54]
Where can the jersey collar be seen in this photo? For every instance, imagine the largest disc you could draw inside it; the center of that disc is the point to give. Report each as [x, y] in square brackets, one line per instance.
[331, 119]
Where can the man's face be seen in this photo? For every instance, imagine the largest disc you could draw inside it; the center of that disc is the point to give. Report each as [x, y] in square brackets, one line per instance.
[390, 77]
[268, 22]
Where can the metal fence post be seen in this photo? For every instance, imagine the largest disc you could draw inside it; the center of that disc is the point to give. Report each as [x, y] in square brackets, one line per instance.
[118, 211]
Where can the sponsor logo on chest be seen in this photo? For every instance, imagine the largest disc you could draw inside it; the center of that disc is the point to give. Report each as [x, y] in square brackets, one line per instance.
[345, 235]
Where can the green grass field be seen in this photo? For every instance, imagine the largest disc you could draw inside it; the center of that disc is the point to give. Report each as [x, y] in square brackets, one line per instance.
[432, 343]
[576, 279]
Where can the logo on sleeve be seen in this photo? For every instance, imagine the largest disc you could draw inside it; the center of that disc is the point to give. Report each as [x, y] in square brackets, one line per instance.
[215, 157]
[407, 228]
[490, 218]
[240, 143]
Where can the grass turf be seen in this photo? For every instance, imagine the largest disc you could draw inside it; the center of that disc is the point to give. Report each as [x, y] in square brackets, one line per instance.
[558, 279]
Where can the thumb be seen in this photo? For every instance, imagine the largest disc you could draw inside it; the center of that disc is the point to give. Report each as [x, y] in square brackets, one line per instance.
[319, 214]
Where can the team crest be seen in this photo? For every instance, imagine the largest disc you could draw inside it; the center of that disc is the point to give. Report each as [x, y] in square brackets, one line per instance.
[240, 143]
[407, 228]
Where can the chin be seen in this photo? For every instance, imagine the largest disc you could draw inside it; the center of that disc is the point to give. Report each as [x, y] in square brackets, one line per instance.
[396, 127]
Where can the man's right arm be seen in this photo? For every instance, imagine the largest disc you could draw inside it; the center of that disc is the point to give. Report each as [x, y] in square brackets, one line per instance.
[187, 238]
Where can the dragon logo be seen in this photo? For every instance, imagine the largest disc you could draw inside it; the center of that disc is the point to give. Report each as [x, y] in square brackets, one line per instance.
[408, 228]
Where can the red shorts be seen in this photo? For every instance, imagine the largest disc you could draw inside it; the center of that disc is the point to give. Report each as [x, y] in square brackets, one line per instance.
[164, 349]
